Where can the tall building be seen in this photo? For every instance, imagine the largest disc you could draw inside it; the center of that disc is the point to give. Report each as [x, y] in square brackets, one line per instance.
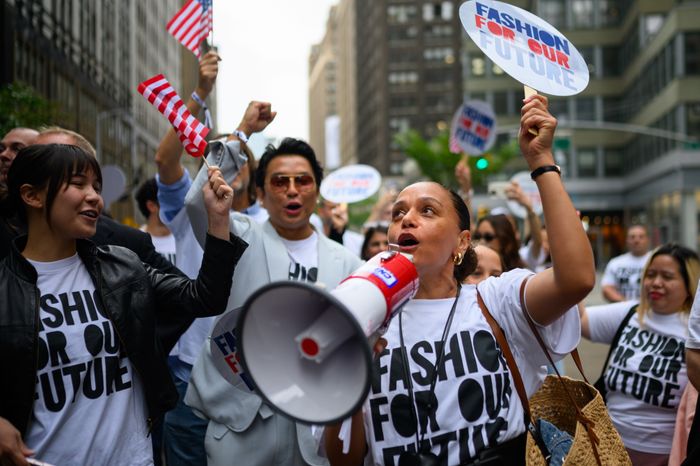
[623, 143]
[88, 56]
[323, 84]
[407, 74]
[346, 95]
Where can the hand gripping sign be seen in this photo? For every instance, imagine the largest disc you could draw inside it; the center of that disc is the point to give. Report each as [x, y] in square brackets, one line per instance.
[526, 47]
[474, 127]
[350, 184]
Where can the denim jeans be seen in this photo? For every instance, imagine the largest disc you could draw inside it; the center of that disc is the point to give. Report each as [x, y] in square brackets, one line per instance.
[183, 432]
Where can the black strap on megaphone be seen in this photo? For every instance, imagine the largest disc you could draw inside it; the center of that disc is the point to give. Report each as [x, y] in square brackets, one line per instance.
[423, 456]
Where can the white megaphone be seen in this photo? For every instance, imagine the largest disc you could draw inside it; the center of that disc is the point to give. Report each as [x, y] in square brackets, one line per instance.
[306, 349]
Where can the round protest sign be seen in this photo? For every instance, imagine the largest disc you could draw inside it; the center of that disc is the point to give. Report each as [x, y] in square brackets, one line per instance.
[525, 46]
[474, 127]
[113, 184]
[223, 346]
[349, 184]
[529, 188]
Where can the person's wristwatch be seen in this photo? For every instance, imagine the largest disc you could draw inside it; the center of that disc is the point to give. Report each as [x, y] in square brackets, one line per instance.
[241, 135]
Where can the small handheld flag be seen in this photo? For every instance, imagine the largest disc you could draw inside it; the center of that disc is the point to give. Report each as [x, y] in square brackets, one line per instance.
[161, 94]
[192, 24]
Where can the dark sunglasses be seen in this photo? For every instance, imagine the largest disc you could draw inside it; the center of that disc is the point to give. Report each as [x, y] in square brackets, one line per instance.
[488, 237]
[282, 182]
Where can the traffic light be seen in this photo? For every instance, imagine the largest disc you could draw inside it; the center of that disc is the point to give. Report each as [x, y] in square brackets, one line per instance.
[482, 163]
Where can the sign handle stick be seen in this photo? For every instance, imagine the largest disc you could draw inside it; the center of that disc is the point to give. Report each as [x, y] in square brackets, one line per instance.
[528, 92]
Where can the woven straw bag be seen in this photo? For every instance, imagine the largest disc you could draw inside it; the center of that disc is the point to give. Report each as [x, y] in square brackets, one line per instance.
[574, 406]
[552, 403]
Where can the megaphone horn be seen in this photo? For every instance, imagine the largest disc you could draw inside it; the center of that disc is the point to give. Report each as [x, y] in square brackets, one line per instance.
[307, 349]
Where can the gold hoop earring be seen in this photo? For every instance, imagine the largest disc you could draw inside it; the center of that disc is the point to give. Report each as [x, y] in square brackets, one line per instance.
[457, 259]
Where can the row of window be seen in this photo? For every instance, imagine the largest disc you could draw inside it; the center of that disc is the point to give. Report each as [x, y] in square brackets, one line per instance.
[583, 14]
[432, 11]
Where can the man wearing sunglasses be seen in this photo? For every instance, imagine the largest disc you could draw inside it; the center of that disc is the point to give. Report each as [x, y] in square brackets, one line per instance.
[242, 428]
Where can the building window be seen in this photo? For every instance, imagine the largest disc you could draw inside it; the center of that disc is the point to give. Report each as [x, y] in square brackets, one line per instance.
[651, 25]
[405, 77]
[610, 14]
[612, 162]
[611, 61]
[692, 53]
[692, 121]
[585, 109]
[558, 107]
[500, 103]
[586, 163]
[401, 13]
[582, 13]
[612, 109]
[552, 11]
[478, 67]
[438, 54]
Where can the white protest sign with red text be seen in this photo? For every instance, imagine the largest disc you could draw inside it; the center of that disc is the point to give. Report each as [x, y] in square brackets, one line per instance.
[525, 46]
[474, 127]
[350, 184]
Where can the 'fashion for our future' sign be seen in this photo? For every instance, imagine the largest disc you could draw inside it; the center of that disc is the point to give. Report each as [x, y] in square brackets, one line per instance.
[474, 127]
[525, 46]
[350, 184]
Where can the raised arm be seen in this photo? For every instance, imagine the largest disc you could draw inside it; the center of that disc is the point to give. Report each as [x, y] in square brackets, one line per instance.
[229, 158]
[208, 294]
[572, 276]
[534, 227]
[169, 151]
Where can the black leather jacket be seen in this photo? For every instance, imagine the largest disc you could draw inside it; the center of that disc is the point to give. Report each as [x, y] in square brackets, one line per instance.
[134, 296]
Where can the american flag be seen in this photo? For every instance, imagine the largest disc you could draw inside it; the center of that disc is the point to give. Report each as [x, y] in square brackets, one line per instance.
[158, 91]
[192, 24]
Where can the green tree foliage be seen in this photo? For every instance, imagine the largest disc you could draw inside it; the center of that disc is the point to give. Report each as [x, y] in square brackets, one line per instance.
[437, 163]
[21, 105]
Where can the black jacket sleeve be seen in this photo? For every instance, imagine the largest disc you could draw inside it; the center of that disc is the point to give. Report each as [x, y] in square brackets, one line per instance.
[110, 232]
[181, 300]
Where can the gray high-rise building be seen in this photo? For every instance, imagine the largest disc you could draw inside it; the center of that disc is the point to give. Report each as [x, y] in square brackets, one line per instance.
[407, 74]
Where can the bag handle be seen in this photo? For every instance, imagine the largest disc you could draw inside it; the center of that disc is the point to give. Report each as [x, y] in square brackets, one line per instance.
[582, 418]
[515, 373]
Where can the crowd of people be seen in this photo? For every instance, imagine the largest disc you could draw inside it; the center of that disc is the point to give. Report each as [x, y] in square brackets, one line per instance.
[104, 329]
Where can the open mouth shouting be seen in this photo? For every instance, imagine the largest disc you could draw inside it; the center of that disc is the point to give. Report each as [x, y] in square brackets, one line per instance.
[407, 242]
[293, 209]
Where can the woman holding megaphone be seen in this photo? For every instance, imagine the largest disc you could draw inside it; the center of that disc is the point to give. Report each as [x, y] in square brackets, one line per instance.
[442, 392]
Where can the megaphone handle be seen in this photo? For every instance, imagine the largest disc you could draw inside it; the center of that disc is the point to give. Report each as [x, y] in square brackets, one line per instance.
[528, 92]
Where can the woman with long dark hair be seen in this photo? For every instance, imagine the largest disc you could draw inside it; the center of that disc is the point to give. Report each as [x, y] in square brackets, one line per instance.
[84, 369]
[498, 233]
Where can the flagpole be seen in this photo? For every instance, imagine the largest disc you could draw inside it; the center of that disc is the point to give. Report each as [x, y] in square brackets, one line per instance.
[212, 23]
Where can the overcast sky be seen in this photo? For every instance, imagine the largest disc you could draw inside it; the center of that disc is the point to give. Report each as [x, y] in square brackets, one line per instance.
[264, 46]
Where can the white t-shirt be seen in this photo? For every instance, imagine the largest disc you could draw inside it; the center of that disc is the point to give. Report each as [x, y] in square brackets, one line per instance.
[694, 324]
[477, 405]
[625, 273]
[646, 375]
[536, 264]
[89, 406]
[304, 258]
[165, 246]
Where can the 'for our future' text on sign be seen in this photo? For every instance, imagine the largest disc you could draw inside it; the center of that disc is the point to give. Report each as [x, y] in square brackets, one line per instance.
[474, 127]
[525, 47]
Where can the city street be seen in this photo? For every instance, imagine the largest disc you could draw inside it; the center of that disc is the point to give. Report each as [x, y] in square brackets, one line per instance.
[592, 354]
